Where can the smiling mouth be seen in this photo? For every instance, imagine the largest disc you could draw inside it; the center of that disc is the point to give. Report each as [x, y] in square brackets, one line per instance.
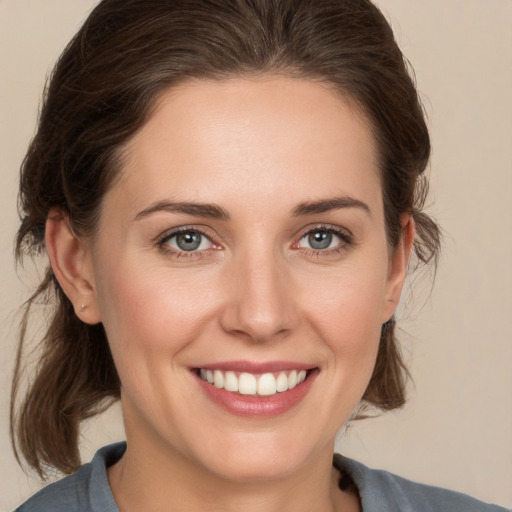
[252, 384]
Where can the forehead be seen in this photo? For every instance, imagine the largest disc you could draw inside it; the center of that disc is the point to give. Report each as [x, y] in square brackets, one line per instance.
[258, 134]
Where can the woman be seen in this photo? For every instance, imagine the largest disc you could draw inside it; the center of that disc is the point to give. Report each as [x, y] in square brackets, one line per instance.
[228, 193]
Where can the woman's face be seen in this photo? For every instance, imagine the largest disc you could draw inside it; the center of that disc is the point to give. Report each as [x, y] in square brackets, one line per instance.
[245, 243]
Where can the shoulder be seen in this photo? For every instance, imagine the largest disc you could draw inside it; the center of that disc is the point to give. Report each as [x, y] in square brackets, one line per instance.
[86, 490]
[385, 492]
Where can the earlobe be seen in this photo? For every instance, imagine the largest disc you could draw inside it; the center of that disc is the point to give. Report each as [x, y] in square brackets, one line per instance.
[398, 265]
[71, 263]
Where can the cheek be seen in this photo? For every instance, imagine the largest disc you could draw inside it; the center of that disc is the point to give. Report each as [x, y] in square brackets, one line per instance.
[346, 311]
[150, 310]
[349, 301]
[150, 320]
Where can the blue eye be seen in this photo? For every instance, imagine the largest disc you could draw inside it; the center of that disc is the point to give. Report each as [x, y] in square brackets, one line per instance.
[321, 239]
[188, 241]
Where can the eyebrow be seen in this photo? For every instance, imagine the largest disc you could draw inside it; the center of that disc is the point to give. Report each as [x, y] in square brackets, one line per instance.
[326, 205]
[211, 211]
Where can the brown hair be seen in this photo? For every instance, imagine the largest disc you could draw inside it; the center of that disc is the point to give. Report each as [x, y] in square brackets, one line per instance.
[101, 93]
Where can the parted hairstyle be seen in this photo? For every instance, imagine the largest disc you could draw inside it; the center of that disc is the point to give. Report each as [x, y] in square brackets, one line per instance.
[102, 91]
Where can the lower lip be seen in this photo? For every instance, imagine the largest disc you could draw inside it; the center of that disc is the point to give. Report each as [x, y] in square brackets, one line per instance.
[258, 406]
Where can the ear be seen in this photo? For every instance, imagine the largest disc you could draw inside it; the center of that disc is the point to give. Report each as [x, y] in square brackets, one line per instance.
[399, 259]
[71, 262]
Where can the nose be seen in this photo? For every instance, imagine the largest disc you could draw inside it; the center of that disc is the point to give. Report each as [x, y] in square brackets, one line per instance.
[261, 304]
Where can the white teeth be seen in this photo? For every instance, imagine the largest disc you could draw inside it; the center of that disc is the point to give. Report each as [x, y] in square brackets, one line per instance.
[247, 384]
[292, 380]
[282, 382]
[231, 382]
[266, 384]
[218, 379]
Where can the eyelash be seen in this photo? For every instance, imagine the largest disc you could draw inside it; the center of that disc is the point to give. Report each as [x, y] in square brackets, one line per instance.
[163, 243]
[346, 240]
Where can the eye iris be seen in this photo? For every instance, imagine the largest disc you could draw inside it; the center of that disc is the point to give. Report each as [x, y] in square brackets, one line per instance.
[320, 239]
[188, 241]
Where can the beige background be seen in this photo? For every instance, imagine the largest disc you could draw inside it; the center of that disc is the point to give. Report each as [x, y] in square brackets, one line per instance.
[456, 430]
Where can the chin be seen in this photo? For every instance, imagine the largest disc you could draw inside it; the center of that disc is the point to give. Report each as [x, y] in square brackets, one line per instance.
[268, 457]
[242, 470]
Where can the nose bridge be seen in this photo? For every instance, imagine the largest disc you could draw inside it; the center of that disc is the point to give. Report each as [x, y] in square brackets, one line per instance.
[261, 305]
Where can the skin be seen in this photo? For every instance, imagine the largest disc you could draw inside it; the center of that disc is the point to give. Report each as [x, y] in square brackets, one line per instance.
[255, 290]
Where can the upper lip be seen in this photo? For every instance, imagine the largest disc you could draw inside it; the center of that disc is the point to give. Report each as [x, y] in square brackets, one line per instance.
[256, 367]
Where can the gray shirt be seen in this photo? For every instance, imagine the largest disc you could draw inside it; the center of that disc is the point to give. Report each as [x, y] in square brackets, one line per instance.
[88, 490]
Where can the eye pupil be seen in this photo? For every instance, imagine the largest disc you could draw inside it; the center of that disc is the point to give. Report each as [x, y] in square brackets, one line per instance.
[320, 239]
[189, 240]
